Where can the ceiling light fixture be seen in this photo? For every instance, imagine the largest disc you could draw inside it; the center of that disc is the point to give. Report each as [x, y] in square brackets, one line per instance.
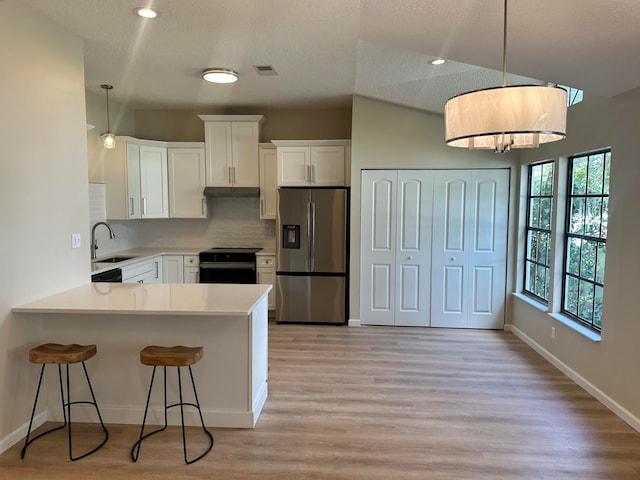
[145, 12]
[108, 139]
[219, 75]
[506, 117]
[438, 61]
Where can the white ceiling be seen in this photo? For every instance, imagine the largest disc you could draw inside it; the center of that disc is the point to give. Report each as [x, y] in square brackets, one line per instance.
[327, 50]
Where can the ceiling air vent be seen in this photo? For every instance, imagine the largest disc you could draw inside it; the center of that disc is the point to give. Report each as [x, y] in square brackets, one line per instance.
[265, 70]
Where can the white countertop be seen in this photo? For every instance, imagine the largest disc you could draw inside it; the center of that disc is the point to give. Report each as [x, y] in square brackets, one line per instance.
[152, 299]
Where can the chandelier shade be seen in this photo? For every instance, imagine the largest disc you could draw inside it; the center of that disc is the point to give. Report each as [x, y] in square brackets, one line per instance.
[506, 117]
[501, 118]
[108, 138]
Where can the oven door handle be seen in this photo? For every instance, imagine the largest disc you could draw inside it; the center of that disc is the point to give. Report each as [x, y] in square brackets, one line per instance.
[227, 265]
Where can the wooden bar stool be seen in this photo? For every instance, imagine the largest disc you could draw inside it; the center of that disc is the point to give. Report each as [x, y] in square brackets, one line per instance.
[55, 353]
[177, 356]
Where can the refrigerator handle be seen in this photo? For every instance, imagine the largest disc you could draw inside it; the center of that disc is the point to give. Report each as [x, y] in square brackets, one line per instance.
[312, 236]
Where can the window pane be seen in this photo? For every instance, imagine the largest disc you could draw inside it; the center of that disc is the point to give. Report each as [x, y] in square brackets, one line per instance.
[602, 253]
[596, 174]
[533, 245]
[529, 274]
[585, 301]
[573, 259]
[545, 213]
[607, 171]
[597, 314]
[605, 218]
[579, 176]
[576, 220]
[534, 213]
[571, 295]
[541, 281]
[547, 179]
[592, 216]
[588, 260]
[543, 248]
[536, 180]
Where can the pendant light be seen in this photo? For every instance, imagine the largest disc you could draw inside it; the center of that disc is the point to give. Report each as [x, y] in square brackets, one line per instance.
[506, 117]
[108, 139]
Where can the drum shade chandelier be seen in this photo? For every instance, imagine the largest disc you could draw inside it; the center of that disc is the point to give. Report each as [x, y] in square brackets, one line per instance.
[506, 117]
[108, 138]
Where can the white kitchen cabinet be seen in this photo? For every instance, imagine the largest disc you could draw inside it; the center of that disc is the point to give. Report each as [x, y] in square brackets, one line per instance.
[317, 163]
[186, 164]
[148, 270]
[181, 268]
[268, 181]
[191, 269]
[266, 274]
[136, 183]
[231, 150]
[173, 268]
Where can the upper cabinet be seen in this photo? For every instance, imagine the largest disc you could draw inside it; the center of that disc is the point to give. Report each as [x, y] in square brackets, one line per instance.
[231, 150]
[315, 163]
[268, 184]
[136, 181]
[186, 180]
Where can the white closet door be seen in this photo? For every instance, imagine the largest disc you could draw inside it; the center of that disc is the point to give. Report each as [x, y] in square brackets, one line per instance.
[413, 247]
[378, 243]
[469, 248]
[396, 247]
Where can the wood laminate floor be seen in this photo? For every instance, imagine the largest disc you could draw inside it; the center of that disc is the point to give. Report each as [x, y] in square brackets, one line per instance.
[382, 403]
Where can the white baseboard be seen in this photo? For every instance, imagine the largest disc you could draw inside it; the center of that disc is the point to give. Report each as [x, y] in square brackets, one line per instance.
[21, 432]
[354, 322]
[594, 391]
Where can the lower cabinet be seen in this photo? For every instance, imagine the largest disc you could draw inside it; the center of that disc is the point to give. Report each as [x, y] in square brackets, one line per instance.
[181, 268]
[266, 274]
[149, 270]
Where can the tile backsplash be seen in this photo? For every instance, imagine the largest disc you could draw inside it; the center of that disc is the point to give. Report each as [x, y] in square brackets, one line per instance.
[231, 222]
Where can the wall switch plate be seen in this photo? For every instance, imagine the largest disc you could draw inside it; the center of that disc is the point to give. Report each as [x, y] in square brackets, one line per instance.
[76, 241]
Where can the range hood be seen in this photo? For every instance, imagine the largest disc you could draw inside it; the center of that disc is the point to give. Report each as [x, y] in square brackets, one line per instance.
[231, 192]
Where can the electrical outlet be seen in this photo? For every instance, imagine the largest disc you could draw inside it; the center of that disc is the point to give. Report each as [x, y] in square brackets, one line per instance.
[553, 333]
[76, 241]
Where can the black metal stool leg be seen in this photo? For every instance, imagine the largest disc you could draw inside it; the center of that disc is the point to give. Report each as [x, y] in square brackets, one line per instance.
[135, 450]
[197, 405]
[28, 441]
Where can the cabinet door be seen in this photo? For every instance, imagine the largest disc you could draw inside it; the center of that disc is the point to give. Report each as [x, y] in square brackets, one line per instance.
[268, 277]
[244, 146]
[294, 166]
[154, 189]
[268, 186]
[133, 181]
[327, 166]
[218, 153]
[191, 274]
[173, 268]
[186, 183]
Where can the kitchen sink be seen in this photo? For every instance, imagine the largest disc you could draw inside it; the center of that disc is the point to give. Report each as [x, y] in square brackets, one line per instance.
[116, 259]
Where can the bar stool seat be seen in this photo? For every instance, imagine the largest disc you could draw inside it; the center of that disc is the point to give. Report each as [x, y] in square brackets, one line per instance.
[176, 356]
[55, 353]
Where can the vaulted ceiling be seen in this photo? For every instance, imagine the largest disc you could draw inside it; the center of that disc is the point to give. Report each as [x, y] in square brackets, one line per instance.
[325, 51]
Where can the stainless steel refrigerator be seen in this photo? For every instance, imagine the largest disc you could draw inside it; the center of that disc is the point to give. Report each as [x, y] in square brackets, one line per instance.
[311, 271]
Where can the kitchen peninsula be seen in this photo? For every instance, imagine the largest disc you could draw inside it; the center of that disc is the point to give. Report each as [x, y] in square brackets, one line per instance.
[228, 320]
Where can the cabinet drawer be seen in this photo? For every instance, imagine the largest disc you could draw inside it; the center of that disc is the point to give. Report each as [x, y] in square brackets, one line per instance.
[266, 261]
[191, 260]
[137, 269]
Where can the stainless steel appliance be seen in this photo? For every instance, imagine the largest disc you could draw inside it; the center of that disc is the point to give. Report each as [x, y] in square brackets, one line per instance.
[228, 265]
[311, 270]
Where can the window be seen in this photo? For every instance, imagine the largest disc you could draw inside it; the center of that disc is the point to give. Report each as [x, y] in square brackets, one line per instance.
[586, 237]
[538, 230]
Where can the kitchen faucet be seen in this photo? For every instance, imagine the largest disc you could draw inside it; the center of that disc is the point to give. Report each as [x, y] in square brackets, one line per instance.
[94, 242]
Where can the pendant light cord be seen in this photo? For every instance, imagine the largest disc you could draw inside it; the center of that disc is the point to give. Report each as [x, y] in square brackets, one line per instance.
[108, 125]
[504, 47]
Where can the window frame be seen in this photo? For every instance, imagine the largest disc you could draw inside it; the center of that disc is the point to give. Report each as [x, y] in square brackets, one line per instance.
[529, 228]
[568, 236]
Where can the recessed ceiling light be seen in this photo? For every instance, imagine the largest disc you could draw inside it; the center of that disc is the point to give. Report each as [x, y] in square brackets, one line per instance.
[145, 12]
[219, 75]
[438, 61]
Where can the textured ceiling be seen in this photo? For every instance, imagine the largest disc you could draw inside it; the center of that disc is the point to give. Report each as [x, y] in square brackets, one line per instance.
[326, 50]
